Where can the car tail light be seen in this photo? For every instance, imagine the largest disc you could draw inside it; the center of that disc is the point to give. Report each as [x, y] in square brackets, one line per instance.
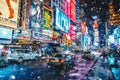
[62, 60]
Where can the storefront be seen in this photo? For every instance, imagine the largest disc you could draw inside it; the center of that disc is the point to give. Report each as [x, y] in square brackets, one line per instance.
[22, 37]
[39, 40]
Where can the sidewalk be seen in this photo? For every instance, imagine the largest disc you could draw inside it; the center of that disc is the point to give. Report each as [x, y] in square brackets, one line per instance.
[115, 69]
[100, 71]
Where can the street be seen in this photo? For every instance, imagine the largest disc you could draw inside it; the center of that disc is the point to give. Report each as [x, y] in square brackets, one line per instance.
[28, 70]
[39, 70]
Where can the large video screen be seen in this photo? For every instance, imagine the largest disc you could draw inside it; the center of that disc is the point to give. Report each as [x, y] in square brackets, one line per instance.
[35, 14]
[70, 9]
[62, 22]
[47, 18]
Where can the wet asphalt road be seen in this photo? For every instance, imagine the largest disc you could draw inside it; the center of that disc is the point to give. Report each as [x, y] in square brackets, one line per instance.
[28, 70]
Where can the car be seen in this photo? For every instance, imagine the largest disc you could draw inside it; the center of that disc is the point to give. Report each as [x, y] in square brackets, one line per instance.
[20, 55]
[3, 61]
[87, 55]
[61, 60]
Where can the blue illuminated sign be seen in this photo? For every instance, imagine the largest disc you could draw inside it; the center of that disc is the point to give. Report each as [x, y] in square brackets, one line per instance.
[62, 22]
[5, 35]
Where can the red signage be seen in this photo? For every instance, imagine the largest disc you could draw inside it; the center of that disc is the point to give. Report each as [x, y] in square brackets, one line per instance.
[95, 24]
[72, 12]
[83, 24]
[67, 8]
[72, 32]
[70, 9]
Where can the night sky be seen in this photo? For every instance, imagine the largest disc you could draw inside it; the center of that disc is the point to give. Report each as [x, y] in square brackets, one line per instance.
[99, 8]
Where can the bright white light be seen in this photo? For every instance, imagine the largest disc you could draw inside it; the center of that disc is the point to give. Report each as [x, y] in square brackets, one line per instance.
[111, 38]
[4, 32]
[68, 0]
[12, 77]
[96, 44]
[41, 0]
[94, 17]
[1, 46]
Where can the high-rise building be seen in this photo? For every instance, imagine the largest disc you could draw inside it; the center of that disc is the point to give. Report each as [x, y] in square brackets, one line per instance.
[114, 18]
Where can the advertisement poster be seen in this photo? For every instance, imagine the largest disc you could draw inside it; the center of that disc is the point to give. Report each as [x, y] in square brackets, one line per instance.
[35, 14]
[62, 22]
[48, 33]
[22, 34]
[5, 35]
[73, 12]
[38, 36]
[9, 13]
[47, 18]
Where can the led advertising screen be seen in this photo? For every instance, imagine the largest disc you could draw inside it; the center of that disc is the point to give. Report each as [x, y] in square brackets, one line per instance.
[62, 22]
[38, 36]
[35, 14]
[72, 12]
[5, 35]
[70, 9]
[72, 32]
[47, 18]
[9, 13]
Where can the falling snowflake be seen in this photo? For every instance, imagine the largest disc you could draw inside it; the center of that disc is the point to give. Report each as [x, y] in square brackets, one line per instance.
[12, 77]
[38, 77]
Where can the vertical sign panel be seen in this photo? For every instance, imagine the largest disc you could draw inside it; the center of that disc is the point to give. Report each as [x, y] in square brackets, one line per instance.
[35, 14]
[47, 18]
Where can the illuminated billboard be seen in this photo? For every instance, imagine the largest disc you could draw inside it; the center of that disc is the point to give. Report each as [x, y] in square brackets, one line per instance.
[35, 14]
[5, 35]
[96, 25]
[9, 13]
[62, 22]
[47, 18]
[70, 9]
[38, 36]
[72, 32]
[21, 34]
[83, 27]
[73, 12]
